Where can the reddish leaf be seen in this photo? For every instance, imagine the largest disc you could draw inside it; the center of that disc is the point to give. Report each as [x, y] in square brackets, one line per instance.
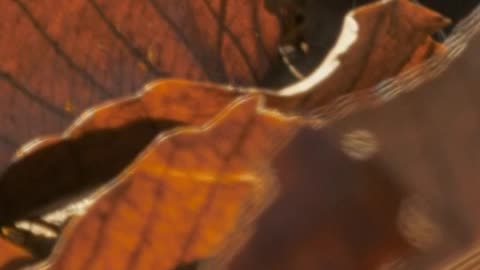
[12, 256]
[180, 199]
[312, 26]
[90, 51]
[393, 186]
[377, 42]
[90, 143]
[116, 131]
[59, 58]
[437, 152]
[311, 23]
[61, 167]
[332, 212]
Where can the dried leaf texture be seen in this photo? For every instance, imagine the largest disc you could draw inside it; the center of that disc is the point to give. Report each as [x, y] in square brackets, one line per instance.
[181, 198]
[118, 131]
[12, 256]
[58, 167]
[59, 58]
[377, 41]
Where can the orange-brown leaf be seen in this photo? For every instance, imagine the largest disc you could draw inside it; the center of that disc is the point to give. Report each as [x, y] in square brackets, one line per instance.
[119, 130]
[378, 41]
[180, 199]
[116, 131]
[11, 256]
[332, 212]
[428, 137]
[394, 186]
[59, 58]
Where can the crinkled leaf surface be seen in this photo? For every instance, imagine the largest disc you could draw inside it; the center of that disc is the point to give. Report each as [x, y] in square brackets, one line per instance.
[378, 249]
[57, 167]
[180, 199]
[116, 131]
[59, 58]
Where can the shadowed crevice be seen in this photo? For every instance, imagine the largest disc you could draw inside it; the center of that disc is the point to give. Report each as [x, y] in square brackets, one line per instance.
[46, 176]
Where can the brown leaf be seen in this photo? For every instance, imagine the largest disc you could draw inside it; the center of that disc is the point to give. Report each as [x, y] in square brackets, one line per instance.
[132, 112]
[180, 199]
[378, 41]
[394, 186]
[59, 58]
[119, 130]
[106, 134]
[436, 154]
[309, 31]
[310, 28]
[58, 167]
[12, 256]
[332, 212]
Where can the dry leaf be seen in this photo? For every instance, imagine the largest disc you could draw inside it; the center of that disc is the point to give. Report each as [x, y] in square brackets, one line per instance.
[391, 187]
[57, 168]
[103, 239]
[116, 131]
[178, 200]
[429, 139]
[378, 41]
[59, 58]
[12, 256]
[310, 28]
[332, 212]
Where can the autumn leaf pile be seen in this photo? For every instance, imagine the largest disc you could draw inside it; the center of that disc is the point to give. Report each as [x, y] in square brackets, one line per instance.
[238, 153]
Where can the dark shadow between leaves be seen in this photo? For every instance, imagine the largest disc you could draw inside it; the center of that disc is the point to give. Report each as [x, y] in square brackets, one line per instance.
[71, 167]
